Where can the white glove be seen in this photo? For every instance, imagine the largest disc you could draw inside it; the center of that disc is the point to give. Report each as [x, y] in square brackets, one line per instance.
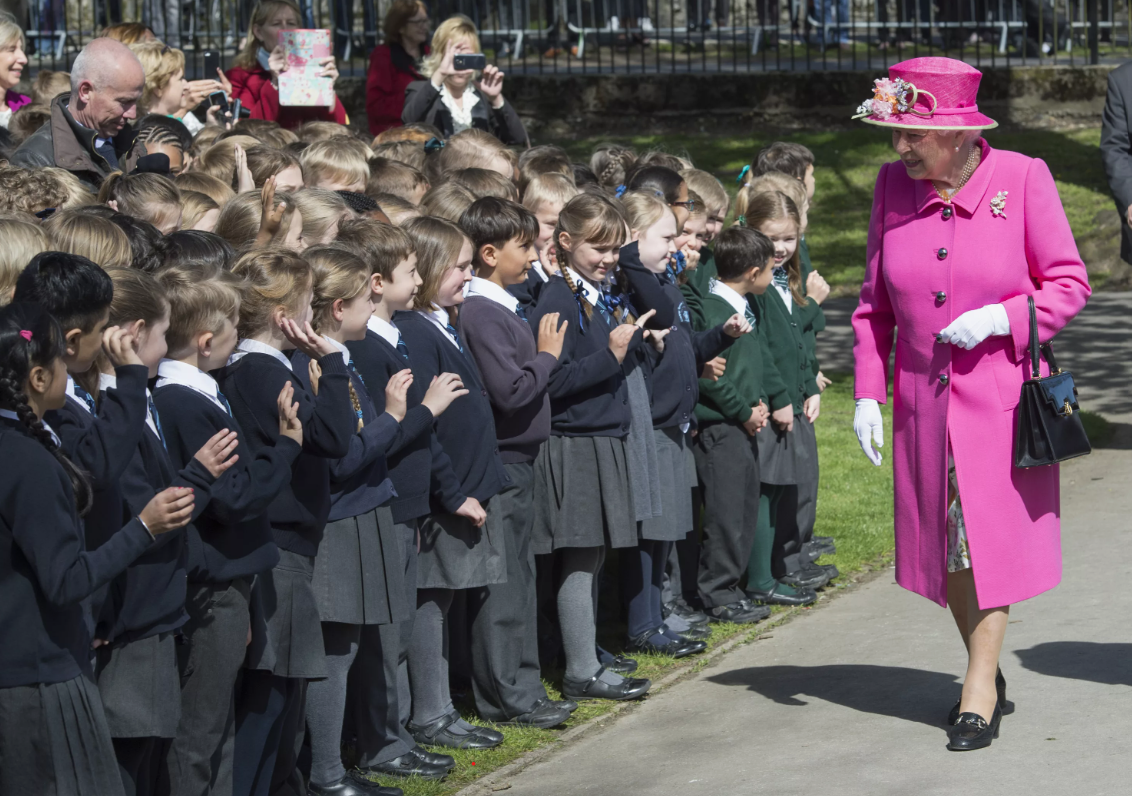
[975, 326]
[869, 427]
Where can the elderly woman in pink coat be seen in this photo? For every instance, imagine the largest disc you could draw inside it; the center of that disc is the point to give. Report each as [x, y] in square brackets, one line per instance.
[960, 235]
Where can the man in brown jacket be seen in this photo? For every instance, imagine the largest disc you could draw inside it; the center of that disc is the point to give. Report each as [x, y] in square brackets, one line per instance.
[89, 133]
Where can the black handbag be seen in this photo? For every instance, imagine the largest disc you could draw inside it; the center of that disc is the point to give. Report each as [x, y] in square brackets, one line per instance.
[1049, 426]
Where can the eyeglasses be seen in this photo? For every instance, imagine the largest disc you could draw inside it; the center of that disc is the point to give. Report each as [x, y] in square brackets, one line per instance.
[690, 205]
[421, 22]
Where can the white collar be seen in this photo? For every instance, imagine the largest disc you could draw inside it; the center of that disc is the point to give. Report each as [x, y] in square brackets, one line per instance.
[461, 116]
[785, 295]
[8, 413]
[341, 348]
[439, 317]
[590, 291]
[492, 291]
[170, 371]
[384, 329]
[109, 381]
[536, 266]
[247, 346]
[71, 392]
[729, 295]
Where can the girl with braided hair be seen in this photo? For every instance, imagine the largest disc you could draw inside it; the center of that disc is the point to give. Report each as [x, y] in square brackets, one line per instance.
[54, 736]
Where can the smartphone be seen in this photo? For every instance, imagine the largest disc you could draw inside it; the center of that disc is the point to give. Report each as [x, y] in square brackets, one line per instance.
[469, 61]
[211, 64]
[239, 111]
[218, 99]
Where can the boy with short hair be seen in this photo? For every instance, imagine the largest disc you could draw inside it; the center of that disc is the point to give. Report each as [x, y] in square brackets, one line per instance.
[336, 165]
[393, 176]
[544, 196]
[231, 541]
[506, 678]
[730, 412]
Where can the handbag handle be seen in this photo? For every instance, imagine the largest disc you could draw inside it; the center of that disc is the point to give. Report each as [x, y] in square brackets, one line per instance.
[1038, 350]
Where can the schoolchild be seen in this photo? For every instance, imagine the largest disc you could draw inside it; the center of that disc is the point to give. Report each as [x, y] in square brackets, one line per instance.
[544, 196]
[589, 424]
[788, 448]
[275, 316]
[458, 549]
[716, 204]
[142, 610]
[515, 369]
[231, 541]
[731, 412]
[379, 682]
[54, 737]
[358, 572]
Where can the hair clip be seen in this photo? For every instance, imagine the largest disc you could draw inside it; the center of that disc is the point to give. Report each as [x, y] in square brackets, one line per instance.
[743, 174]
[741, 220]
[620, 191]
[26, 334]
[433, 144]
[45, 214]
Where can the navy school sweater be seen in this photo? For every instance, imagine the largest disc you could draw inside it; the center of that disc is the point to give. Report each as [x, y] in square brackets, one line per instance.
[45, 571]
[527, 292]
[359, 481]
[252, 384]
[232, 538]
[588, 396]
[466, 430]
[410, 457]
[514, 373]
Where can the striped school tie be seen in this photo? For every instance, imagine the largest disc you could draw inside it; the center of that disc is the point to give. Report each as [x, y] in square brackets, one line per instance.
[156, 421]
[227, 406]
[455, 336]
[86, 398]
[402, 349]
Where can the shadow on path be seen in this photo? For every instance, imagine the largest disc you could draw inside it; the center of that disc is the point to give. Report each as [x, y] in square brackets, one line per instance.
[908, 694]
[1110, 664]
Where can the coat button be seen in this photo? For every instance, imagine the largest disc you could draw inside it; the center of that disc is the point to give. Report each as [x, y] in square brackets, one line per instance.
[946, 213]
[625, 401]
[943, 378]
[941, 297]
[941, 254]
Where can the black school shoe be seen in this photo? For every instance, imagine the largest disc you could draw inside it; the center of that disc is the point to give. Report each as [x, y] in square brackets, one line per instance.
[616, 663]
[566, 704]
[738, 613]
[694, 633]
[972, 731]
[352, 785]
[820, 546]
[1000, 687]
[407, 765]
[774, 597]
[684, 611]
[434, 758]
[808, 576]
[544, 715]
[673, 649]
[438, 734]
[629, 688]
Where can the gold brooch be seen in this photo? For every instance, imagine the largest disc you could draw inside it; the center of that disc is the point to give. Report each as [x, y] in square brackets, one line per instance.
[998, 204]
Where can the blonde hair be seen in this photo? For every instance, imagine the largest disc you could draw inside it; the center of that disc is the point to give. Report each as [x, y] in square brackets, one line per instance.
[267, 131]
[335, 161]
[267, 161]
[160, 63]
[318, 131]
[144, 196]
[708, 187]
[339, 273]
[200, 300]
[204, 139]
[452, 30]
[74, 193]
[11, 31]
[393, 176]
[696, 202]
[771, 182]
[263, 9]
[32, 190]
[22, 241]
[48, 85]
[773, 206]
[215, 189]
[549, 189]
[643, 209]
[240, 219]
[397, 209]
[275, 277]
[127, 32]
[589, 218]
[438, 243]
[219, 160]
[611, 165]
[320, 209]
[95, 237]
[447, 201]
[194, 207]
[382, 246]
[409, 152]
[471, 148]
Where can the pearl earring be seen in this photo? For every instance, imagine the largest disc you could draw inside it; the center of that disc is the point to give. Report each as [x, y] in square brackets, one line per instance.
[956, 149]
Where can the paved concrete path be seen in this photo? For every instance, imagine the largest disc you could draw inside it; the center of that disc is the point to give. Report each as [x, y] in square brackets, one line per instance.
[851, 698]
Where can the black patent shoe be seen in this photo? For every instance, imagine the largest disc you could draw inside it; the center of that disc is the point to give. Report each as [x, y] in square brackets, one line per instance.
[1000, 687]
[809, 576]
[685, 612]
[544, 715]
[352, 785]
[972, 731]
[739, 613]
[673, 649]
[438, 733]
[434, 758]
[629, 688]
[407, 765]
[694, 633]
[566, 704]
[619, 664]
[774, 597]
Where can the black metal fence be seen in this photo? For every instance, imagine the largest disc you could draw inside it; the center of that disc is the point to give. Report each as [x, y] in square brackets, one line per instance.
[638, 36]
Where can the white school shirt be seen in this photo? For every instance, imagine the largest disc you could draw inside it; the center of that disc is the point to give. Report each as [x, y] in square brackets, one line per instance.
[786, 296]
[591, 293]
[170, 371]
[8, 413]
[536, 266]
[492, 291]
[71, 392]
[728, 294]
[341, 348]
[384, 329]
[439, 317]
[108, 381]
[256, 347]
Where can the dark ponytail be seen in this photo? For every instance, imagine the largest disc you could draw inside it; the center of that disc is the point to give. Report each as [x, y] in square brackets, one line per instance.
[18, 355]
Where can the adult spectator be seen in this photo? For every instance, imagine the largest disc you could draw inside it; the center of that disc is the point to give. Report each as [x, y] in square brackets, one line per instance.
[255, 75]
[89, 132]
[449, 100]
[12, 63]
[167, 93]
[1116, 150]
[395, 64]
[129, 33]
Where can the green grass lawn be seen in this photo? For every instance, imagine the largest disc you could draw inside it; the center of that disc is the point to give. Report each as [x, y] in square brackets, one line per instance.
[847, 163]
[854, 507]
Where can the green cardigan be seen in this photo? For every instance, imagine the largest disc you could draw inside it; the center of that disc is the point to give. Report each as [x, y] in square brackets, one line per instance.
[812, 318]
[750, 377]
[785, 335]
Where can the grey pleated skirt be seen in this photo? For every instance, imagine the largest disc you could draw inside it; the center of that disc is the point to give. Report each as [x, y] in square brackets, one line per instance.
[675, 482]
[54, 740]
[582, 495]
[455, 554]
[286, 628]
[640, 451]
[359, 574]
[787, 458]
[140, 686]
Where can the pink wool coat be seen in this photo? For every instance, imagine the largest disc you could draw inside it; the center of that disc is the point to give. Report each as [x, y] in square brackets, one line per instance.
[927, 266]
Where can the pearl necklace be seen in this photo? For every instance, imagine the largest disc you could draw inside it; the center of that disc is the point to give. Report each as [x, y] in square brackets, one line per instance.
[968, 170]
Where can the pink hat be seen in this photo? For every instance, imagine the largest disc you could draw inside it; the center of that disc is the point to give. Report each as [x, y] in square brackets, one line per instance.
[927, 92]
